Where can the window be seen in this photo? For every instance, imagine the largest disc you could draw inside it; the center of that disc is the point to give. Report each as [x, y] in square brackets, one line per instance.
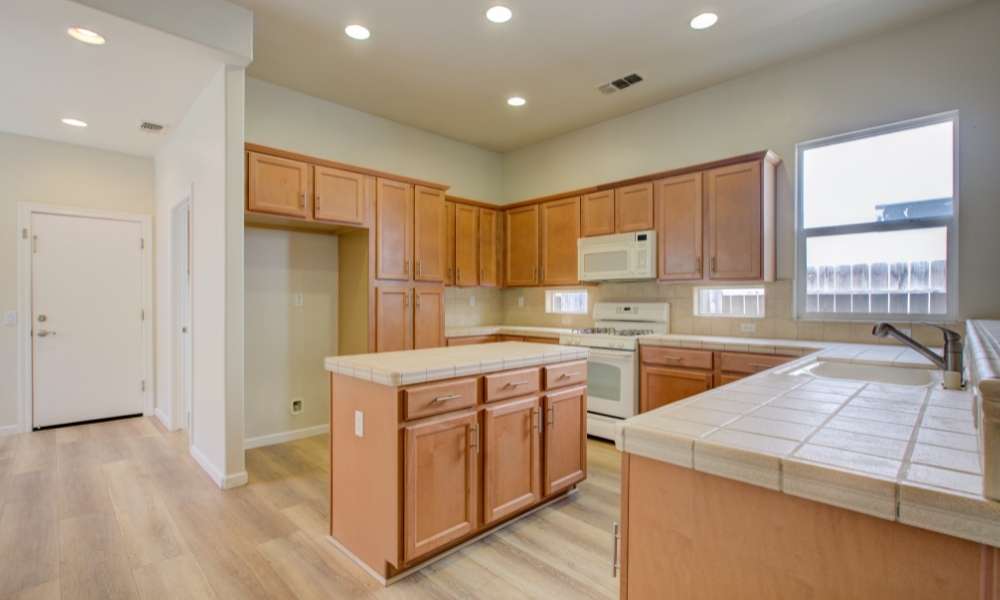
[743, 302]
[566, 302]
[876, 230]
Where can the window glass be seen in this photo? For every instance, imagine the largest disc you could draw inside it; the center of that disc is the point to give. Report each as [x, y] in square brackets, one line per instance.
[745, 302]
[571, 302]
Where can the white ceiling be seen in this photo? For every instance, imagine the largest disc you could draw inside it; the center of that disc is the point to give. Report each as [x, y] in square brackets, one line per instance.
[140, 74]
[441, 66]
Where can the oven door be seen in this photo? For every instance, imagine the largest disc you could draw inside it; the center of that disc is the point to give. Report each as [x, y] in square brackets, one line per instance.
[611, 383]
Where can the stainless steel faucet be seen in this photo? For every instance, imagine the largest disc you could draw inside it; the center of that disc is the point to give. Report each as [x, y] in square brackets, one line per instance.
[951, 362]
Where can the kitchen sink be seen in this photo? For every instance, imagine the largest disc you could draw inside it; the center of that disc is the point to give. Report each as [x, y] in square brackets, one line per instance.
[830, 369]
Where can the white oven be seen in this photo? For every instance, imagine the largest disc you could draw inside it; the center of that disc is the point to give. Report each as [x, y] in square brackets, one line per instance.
[617, 256]
[611, 382]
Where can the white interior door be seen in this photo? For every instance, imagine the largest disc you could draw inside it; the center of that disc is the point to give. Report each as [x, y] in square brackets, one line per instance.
[181, 269]
[86, 278]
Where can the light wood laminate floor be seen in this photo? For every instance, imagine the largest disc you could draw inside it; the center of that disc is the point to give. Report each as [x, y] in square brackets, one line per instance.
[121, 510]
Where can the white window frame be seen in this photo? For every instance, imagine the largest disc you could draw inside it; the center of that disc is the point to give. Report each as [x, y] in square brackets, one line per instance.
[699, 288]
[548, 301]
[951, 223]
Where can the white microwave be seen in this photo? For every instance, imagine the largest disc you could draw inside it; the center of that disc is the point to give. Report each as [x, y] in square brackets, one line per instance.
[617, 256]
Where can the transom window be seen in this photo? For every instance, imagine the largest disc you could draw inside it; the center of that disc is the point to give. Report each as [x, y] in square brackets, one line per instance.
[566, 302]
[876, 227]
[744, 302]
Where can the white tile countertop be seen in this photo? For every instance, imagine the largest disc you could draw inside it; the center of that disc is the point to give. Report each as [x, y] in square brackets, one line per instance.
[903, 453]
[506, 330]
[433, 364]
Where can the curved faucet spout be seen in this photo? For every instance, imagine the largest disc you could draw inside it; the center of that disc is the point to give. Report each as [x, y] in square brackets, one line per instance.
[950, 362]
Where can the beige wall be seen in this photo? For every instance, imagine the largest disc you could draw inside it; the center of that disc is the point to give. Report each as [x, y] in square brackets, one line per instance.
[34, 170]
[285, 343]
[282, 118]
[949, 62]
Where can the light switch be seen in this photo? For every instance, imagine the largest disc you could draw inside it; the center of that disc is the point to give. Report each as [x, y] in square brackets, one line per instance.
[10, 318]
[359, 423]
[748, 327]
[298, 299]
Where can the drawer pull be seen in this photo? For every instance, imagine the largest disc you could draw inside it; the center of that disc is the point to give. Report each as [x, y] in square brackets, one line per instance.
[446, 398]
[615, 537]
[672, 358]
[514, 384]
[563, 376]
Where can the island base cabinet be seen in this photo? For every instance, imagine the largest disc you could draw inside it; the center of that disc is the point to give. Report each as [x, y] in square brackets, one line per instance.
[565, 447]
[441, 466]
[688, 534]
[512, 459]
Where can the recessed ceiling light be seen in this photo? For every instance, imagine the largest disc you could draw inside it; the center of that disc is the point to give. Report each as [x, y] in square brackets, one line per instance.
[74, 122]
[86, 36]
[499, 14]
[357, 32]
[516, 101]
[704, 20]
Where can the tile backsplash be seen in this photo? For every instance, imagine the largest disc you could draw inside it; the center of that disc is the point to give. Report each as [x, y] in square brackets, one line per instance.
[469, 307]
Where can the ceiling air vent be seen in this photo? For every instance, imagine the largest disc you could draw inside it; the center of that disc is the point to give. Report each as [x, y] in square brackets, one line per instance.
[149, 127]
[619, 84]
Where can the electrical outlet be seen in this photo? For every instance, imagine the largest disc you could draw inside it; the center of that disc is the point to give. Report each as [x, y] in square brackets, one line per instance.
[748, 327]
[520, 301]
[297, 406]
[359, 423]
[10, 318]
[298, 299]
[472, 300]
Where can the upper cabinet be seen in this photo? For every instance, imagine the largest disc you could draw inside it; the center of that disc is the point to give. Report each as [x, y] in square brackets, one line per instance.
[679, 226]
[278, 185]
[634, 207]
[466, 245]
[560, 228]
[393, 229]
[597, 213]
[340, 196]
[735, 222]
[429, 234]
[521, 245]
[489, 256]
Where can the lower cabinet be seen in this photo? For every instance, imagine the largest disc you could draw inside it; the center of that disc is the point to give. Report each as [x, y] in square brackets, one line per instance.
[471, 339]
[512, 464]
[565, 447]
[441, 474]
[659, 386]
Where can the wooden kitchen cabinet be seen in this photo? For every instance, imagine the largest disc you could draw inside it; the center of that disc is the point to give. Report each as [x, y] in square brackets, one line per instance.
[441, 466]
[488, 248]
[429, 235]
[512, 465]
[560, 229]
[521, 245]
[735, 221]
[565, 448]
[634, 207]
[449, 223]
[468, 340]
[340, 196]
[659, 386]
[393, 229]
[393, 318]
[278, 186]
[428, 317]
[679, 226]
[597, 213]
[466, 245]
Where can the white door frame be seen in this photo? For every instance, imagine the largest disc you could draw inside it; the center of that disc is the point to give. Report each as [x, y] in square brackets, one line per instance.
[182, 394]
[25, 357]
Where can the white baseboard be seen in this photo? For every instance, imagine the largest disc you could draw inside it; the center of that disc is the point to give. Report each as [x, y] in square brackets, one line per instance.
[285, 436]
[164, 419]
[9, 429]
[223, 481]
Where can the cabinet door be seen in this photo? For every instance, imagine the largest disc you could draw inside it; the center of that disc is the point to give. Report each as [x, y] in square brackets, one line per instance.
[512, 458]
[429, 235]
[393, 327]
[449, 259]
[488, 273]
[560, 231]
[565, 439]
[339, 196]
[440, 458]
[597, 213]
[521, 246]
[634, 207]
[659, 386]
[278, 185]
[735, 221]
[466, 245]
[428, 317]
[725, 378]
[679, 226]
[393, 229]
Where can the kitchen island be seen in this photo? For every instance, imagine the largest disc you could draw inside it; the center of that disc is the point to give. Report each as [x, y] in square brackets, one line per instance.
[431, 449]
[819, 478]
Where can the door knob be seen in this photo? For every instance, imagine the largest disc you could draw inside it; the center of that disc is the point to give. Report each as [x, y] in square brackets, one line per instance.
[45, 333]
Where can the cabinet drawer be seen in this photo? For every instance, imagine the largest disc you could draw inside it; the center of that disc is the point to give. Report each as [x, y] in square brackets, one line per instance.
[676, 357]
[470, 339]
[542, 340]
[509, 338]
[740, 362]
[557, 376]
[436, 398]
[512, 384]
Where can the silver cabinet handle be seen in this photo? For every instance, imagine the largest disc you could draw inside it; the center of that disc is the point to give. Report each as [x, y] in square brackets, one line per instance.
[514, 384]
[44, 333]
[615, 536]
[446, 398]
